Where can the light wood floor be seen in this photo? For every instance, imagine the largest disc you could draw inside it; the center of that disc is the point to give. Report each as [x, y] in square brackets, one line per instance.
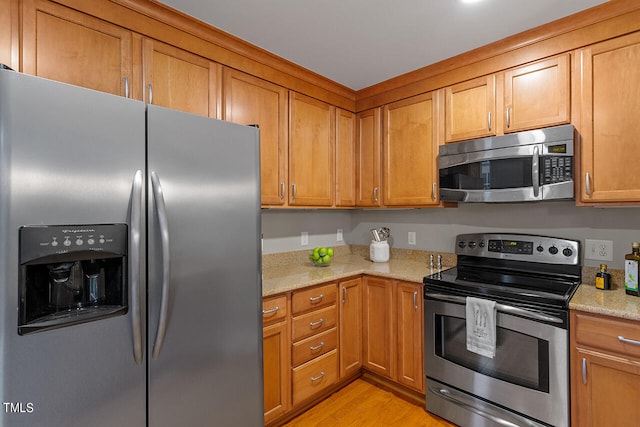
[361, 404]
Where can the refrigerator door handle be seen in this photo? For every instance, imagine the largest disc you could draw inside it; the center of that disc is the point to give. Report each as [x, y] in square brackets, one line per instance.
[134, 264]
[164, 234]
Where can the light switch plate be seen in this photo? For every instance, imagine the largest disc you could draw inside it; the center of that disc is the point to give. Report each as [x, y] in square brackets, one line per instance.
[304, 238]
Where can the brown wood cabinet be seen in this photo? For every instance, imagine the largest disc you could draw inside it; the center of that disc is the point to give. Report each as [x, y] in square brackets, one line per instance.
[350, 303]
[537, 95]
[410, 333]
[64, 45]
[345, 169]
[249, 100]
[605, 370]
[470, 109]
[368, 155]
[379, 332]
[311, 151]
[275, 357]
[409, 152]
[314, 341]
[609, 123]
[178, 79]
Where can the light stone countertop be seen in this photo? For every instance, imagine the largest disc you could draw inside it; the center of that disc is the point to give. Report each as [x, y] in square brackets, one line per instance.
[282, 278]
[614, 302]
[293, 270]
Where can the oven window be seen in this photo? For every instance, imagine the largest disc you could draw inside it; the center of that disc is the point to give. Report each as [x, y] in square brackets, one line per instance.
[488, 174]
[520, 359]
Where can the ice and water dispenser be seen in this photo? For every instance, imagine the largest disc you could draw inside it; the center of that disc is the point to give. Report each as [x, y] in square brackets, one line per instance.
[71, 274]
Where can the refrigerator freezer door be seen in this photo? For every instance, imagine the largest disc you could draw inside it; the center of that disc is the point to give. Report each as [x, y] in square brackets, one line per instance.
[205, 223]
[67, 156]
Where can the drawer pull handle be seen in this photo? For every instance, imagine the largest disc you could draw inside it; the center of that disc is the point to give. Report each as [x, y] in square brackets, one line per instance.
[318, 347]
[316, 299]
[273, 310]
[318, 323]
[319, 377]
[628, 341]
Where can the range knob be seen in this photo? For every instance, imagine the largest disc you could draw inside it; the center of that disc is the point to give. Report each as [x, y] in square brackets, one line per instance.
[472, 244]
[540, 248]
[462, 244]
[481, 243]
[553, 250]
[567, 252]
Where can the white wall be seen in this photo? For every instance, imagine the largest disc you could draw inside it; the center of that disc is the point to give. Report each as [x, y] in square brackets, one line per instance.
[436, 228]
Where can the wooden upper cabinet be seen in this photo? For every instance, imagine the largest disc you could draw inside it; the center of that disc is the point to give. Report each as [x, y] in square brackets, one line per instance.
[7, 19]
[345, 158]
[409, 152]
[178, 79]
[609, 120]
[537, 95]
[311, 151]
[64, 45]
[368, 151]
[249, 100]
[470, 109]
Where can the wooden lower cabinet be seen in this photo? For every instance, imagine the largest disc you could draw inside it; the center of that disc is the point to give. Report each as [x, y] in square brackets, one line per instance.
[275, 357]
[350, 324]
[379, 331]
[605, 370]
[314, 376]
[410, 335]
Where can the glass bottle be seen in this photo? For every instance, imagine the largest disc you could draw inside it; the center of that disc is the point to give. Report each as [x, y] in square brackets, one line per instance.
[603, 279]
[631, 262]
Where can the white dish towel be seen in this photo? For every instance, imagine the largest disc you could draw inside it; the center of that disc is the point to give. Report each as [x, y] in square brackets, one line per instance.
[481, 326]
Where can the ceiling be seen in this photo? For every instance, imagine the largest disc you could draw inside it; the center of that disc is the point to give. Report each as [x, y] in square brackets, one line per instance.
[359, 43]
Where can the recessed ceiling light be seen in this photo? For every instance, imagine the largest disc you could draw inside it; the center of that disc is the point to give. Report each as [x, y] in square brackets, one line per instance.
[470, 1]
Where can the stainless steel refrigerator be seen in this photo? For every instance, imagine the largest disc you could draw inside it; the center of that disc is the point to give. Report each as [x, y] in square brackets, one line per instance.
[130, 268]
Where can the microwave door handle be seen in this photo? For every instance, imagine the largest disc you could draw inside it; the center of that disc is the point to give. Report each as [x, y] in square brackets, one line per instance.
[503, 308]
[535, 171]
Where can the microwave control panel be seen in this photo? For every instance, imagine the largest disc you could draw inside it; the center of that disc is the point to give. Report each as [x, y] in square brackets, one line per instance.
[556, 169]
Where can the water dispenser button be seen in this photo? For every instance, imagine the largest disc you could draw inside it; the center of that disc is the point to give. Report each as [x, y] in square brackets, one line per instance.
[66, 242]
[79, 242]
[55, 242]
[90, 241]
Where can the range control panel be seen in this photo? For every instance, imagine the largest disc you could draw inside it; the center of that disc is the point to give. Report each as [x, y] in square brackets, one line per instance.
[519, 247]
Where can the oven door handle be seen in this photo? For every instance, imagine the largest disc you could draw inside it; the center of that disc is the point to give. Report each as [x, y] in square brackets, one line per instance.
[447, 395]
[507, 309]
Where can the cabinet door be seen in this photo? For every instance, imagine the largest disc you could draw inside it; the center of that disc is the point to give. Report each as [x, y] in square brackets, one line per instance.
[275, 357]
[311, 151]
[369, 146]
[180, 80]
[537, 95]
[350, 326]
[345, 158]
[610, 124]
[379, 326]
[64, 45]
[249, 100]
[410, 335]
[410, 151]
[8, 32]
[470, 109]
[606, 390]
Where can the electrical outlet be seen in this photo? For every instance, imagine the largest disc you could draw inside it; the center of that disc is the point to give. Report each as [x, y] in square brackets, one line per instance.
[304, 238]
[601, 250]
[339, 236]
[412, 237]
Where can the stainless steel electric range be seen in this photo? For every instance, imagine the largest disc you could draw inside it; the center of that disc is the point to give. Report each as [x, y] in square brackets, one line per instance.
[526, 383]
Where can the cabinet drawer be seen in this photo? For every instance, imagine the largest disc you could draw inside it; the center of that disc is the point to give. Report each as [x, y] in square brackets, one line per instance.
[274, 308]
[314, 346]
[608, 334]
[315, 376]
[310, 299]
[311, 323]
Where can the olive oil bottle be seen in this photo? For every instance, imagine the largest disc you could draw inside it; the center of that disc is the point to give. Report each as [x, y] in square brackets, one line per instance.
[631, 262]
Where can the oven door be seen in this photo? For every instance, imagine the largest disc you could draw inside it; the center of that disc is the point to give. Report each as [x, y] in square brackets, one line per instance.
[528, 375]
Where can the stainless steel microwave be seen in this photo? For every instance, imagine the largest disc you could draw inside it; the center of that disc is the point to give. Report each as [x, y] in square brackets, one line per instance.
[525, 166]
